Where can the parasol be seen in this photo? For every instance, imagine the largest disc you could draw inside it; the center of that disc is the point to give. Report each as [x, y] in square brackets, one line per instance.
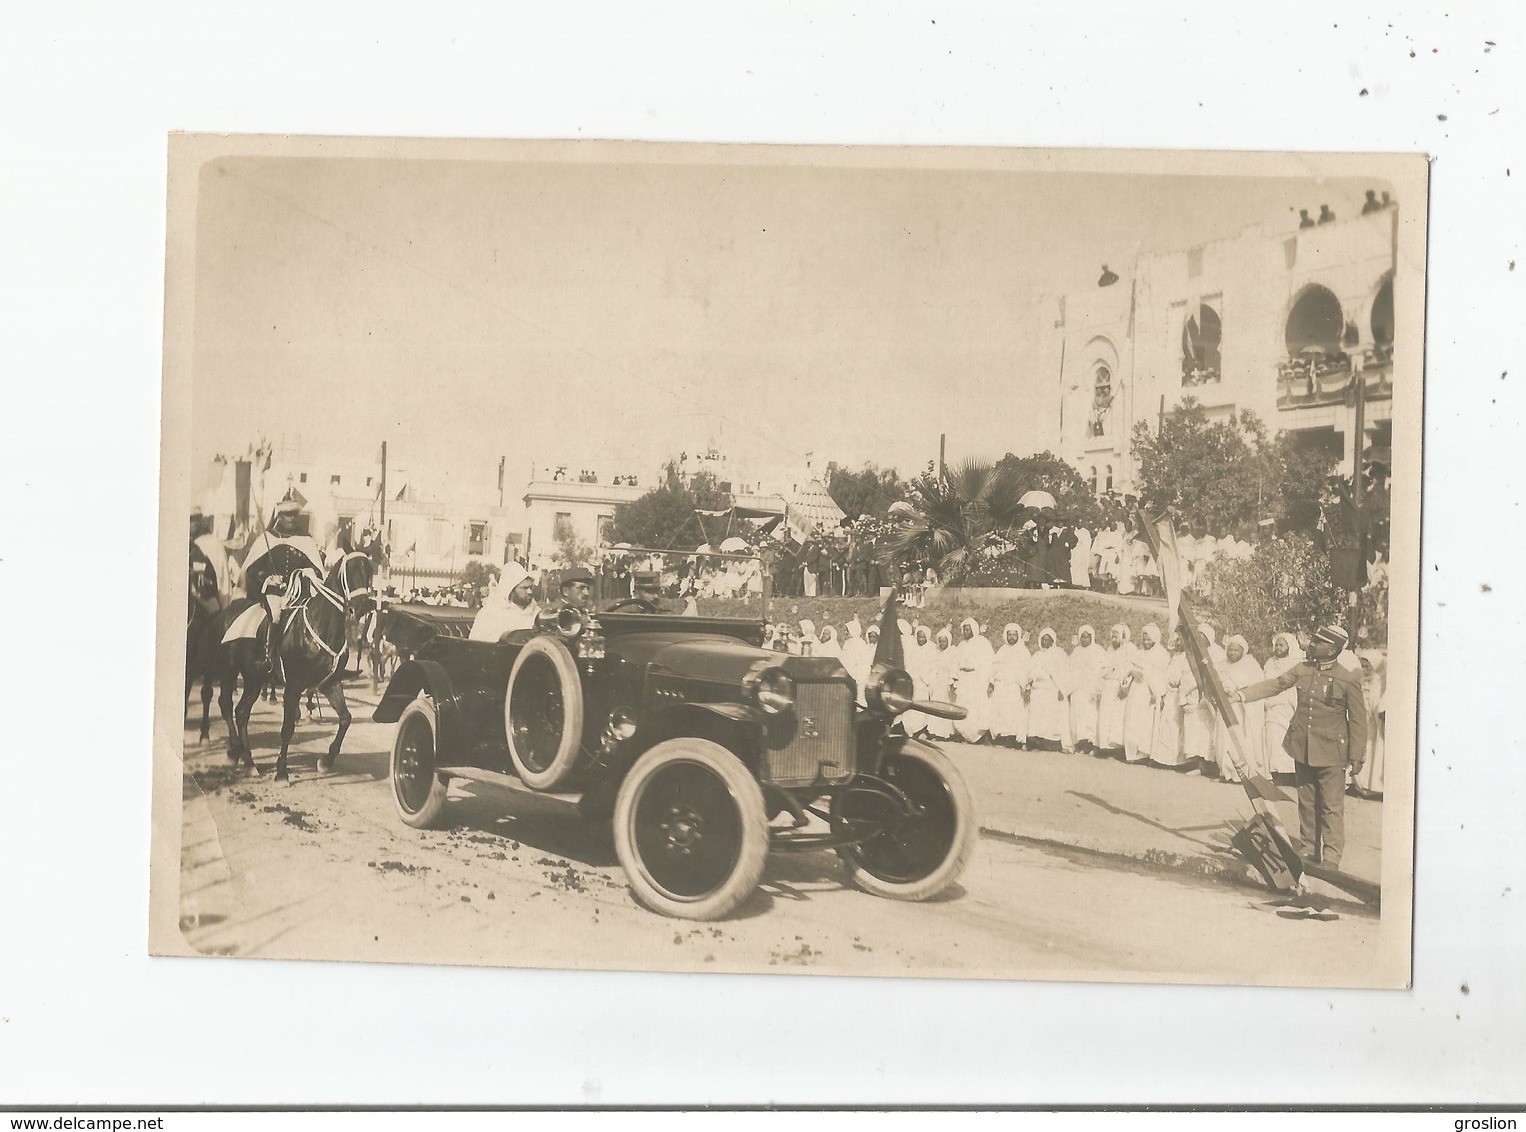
[734, 545]
[1039, 499]
[704, 548]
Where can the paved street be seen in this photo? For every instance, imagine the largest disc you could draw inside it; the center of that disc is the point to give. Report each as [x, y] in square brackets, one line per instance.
[321, 868]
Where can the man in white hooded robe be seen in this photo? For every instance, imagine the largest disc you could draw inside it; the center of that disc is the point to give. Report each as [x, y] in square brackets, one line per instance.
[1048, 692]
[509, 606]
[1112, 674]
[1009, 677]
[972, 681]
[1085, 688]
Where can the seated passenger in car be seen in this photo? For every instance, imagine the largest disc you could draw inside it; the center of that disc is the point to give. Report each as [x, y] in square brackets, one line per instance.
[510, 606]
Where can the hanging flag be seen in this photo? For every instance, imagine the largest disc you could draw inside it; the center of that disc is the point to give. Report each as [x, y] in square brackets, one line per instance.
[1169, 560]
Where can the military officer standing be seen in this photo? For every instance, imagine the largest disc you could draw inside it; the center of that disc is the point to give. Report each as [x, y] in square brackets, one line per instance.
[1328, 730]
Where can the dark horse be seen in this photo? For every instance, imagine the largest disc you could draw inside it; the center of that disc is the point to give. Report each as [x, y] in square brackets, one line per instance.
[311, 653]
[204, 627]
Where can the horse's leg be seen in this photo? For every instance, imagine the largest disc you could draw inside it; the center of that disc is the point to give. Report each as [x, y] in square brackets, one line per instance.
[334, 693]
[293, 706]
[253, 685]
[225, 706]
[206, 704]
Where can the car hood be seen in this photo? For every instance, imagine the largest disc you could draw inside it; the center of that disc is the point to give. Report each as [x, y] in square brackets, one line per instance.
[713, 657]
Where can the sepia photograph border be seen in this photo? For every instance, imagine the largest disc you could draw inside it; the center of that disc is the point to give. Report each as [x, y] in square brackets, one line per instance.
[1407, 173]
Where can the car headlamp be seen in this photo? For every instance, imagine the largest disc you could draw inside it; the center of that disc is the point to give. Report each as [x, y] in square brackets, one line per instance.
[771, 689]
[890, 690]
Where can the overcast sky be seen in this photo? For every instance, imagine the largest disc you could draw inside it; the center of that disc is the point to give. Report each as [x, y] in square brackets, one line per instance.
[609, 316]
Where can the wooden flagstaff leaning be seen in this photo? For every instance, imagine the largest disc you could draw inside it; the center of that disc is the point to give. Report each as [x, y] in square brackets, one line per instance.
[1262, 841]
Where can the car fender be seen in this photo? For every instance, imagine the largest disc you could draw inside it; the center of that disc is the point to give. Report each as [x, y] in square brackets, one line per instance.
[429, 677]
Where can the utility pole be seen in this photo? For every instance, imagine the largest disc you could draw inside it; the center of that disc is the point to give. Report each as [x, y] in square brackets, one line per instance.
[381, 535]
[942, 448]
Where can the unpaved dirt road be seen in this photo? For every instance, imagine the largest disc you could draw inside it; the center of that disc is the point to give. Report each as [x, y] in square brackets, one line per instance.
[321, 868]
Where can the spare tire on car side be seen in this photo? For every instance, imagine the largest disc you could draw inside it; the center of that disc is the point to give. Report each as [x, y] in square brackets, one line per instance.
[543, 713]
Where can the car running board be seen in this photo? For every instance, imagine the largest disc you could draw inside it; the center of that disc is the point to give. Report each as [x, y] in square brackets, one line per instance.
[507, 781]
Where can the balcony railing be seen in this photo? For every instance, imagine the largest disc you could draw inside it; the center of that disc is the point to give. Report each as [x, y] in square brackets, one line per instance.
[1328, 379]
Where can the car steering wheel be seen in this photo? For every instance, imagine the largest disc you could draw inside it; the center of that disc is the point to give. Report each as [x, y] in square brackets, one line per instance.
[639, 602]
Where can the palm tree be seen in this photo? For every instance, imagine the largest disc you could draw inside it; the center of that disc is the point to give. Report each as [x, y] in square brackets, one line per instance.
[952, 517]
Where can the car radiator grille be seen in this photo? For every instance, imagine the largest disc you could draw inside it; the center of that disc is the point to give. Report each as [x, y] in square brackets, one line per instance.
[814, 743]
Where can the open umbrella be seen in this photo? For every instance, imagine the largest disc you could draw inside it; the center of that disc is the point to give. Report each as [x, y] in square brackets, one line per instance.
[734, 545]
[1040, 499]
[704, 548]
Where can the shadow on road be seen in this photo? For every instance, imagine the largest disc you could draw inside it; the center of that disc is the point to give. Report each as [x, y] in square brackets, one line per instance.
[1151, 822]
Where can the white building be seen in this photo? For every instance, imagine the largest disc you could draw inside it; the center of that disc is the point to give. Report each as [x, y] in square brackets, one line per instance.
[1279, 320]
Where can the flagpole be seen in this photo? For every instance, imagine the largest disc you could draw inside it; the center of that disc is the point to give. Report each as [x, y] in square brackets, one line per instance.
[1257, 789]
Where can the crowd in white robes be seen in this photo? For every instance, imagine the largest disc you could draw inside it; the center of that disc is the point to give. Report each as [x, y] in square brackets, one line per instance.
[1135, 700]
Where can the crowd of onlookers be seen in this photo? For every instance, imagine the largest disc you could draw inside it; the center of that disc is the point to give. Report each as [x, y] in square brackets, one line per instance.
[1108, 695]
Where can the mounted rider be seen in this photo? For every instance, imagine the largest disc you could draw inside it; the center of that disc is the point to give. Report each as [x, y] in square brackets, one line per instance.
[274, 556]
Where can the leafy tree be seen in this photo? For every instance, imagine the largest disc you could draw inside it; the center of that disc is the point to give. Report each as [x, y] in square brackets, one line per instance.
[1044, 471]
[1284, 586]
[664, 517]
[955, 517]
[868, 491]
[478, 574]
[570, 550]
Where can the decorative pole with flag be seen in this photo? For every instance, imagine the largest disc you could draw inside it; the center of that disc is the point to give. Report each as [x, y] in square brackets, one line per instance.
[1262, 841]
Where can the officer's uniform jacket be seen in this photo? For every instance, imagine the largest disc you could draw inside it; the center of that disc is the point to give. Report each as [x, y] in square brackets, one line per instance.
[1329, 726]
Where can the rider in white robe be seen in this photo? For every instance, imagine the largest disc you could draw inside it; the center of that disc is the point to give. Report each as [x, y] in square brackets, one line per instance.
[1010, 672]
[972, 681]
[1048, 689]
[1085, 688]
[1112, 673]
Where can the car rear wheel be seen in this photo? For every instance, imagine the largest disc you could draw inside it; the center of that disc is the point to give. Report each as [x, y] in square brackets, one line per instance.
[915, 855]
[418, 793]
[690, 830]
[543, 713]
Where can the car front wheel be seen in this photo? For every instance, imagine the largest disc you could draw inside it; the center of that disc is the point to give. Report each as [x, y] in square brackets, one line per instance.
[922, 838]
[418, 793]
[690, 830]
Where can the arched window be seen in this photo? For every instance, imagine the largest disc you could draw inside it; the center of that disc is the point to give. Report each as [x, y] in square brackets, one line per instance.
[1382, 322]
[1201, 336]
[1092, 482]
[1102, 400]
[1110, 477]
[1315, 323]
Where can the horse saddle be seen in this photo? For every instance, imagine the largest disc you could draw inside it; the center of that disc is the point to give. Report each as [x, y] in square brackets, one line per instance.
[247, 625]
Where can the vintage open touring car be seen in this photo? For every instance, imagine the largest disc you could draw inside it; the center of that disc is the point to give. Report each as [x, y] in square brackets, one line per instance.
[704, 749]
